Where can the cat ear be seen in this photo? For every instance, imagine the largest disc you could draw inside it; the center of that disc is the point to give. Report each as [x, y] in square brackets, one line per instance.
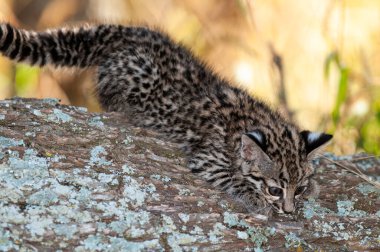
[315, 141]
[253, 145]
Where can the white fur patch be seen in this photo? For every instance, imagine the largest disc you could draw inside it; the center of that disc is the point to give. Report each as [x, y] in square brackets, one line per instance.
[313, 136]
[257, 135]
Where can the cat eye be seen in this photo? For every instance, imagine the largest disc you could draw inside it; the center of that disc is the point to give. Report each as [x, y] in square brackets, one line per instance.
[300, 190]
[275, 191]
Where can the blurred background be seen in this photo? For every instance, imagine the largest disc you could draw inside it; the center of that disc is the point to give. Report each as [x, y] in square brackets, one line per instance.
[316, 60]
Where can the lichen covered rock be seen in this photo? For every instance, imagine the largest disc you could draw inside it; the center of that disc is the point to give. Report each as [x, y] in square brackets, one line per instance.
[76, 181]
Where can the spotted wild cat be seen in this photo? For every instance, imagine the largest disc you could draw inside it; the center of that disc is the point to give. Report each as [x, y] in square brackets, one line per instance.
[232, 140]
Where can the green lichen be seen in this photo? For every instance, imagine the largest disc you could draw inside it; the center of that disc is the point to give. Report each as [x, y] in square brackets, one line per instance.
[56, 158]
[96, 122]
[128, 140]
[136, 193]
[200, 203]
[129, 222]
[346, 208]
[217, 233]
[80, 109]
[197, 230]
[224, 204]
[185, 192]
[6, 142]
[29, 162]
[167, 226]
[119, 226]
[59, 116]
[6, 241]
[108, 178]
[366, 189]
[293, 241]
[32, 134]
[365, 164]
[184, 217]
[257, 235]
[177, 239]
[312, 208]
[11, 214]
[341, 231]
[128, 170]
[120, 244]
[164, 179]
[43, 197]
[67, 231]
[36, 112]
[155, 176]
[51, 101]
[76, 178]
[134, 232]
[37, 225]
[232, 220]
[19, 174]
[97, 156]
[242, 235]
[95, 243]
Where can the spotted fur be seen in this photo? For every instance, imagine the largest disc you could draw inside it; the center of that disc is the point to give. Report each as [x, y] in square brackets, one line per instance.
[234, 141]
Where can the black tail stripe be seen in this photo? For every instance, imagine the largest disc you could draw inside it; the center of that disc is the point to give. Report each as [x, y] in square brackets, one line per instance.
[8, 39]
[42, 54]
[16, 45]
[35, 52]
[25, 52]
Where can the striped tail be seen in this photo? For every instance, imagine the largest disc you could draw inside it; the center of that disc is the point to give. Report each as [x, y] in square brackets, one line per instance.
[81, 47]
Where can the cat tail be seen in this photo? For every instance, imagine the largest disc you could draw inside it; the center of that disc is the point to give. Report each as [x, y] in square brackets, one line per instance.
[80, 47]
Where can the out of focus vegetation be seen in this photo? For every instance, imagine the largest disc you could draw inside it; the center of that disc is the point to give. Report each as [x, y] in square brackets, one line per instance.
[318, 60]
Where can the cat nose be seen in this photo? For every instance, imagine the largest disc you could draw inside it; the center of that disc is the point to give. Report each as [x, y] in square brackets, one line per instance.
[288, 208]
[288, 212]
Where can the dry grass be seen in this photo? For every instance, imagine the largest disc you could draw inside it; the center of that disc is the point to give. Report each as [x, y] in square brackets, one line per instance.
[354, 169]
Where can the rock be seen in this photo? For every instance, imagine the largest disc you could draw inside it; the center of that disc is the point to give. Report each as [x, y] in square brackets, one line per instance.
[76, 181]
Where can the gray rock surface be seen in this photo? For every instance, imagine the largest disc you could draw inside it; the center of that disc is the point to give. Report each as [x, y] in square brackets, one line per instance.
[76, 181]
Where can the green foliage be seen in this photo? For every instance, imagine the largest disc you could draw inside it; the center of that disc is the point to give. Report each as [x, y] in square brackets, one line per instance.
[341, 97]
[370, 131]
[367, 125]
[26, 79]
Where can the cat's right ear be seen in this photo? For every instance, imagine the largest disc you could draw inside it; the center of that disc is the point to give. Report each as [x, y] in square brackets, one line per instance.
[253, 144]
[253, 147]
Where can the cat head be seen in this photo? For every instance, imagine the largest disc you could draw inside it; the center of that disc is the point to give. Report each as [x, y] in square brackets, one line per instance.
[278, 165]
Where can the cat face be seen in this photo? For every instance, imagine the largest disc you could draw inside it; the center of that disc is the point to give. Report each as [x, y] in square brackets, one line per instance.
[281, 174]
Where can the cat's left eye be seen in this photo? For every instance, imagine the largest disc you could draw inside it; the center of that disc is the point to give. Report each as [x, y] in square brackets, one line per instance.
[300, 190]
[275, 191]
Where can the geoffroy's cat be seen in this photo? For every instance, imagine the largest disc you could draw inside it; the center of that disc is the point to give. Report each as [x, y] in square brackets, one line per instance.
[235, 142]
